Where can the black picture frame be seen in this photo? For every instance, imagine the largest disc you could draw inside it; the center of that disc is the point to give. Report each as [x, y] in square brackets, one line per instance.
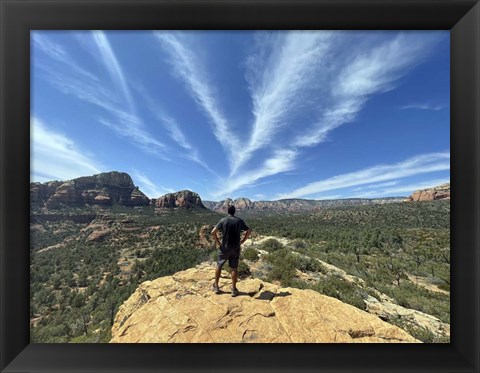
[18, 17]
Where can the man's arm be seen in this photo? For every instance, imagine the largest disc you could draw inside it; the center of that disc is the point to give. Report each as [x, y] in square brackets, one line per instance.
[215, 236]
[247, 234]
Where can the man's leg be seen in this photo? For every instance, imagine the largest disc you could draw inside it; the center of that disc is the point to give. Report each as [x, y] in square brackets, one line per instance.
[233, 262]
[220, 262]
[234, 277]
[218, 271]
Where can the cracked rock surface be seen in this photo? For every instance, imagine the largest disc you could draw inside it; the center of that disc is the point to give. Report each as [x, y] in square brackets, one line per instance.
[183, 308]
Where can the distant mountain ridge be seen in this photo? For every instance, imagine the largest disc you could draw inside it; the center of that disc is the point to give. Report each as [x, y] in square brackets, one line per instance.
[294, 204]
[298, 204]
[110, 188]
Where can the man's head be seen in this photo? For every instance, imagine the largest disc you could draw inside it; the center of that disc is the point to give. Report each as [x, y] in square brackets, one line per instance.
[231, 210]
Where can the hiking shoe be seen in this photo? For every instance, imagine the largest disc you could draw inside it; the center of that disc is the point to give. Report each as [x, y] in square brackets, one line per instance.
[215, 289]
[235, 292]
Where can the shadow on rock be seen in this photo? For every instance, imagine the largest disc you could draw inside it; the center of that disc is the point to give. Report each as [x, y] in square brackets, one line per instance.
[269, 295]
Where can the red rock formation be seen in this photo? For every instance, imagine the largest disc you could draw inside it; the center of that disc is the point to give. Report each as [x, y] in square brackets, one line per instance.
[41, 192]
[103, 189]
[138, 198]
[431, 194]
[184, 198]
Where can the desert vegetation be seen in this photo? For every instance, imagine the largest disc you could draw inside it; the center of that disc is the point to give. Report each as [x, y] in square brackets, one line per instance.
[82, 271]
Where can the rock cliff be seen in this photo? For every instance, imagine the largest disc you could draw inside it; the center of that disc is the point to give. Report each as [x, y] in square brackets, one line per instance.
[182, 308]
[431, 194]
[102, 189]
[183, 198]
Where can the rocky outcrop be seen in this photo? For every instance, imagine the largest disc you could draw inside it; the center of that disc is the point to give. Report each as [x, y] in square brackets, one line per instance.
[103, 189]
[138, 198]
[98, 235]
[182, 308]
[431, 194]
[183, 198]
[391, 312]
[294, 205]
[244, 204]
[39, 192]
[380, 305]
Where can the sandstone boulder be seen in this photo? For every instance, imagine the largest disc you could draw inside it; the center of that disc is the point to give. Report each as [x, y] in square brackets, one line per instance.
[182, 308]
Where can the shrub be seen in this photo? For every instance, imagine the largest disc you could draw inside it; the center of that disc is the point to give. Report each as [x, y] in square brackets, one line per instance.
[299, 244]
[250, 254]
[445, 287]
[214, 256]
[284, 264]
[243, 269]
[308, 264]
[336, 287]
[271, 245]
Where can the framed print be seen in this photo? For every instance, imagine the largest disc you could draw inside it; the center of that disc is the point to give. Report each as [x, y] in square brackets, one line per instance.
[138, 137]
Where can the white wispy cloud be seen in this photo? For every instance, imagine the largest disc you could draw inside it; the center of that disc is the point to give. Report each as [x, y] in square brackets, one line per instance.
[280, 77]
[379, 185]
[423, 106]
[88, 91]
[120, 115]
[372, 71]
[137, 136]
[113, 67]
[420, 164]
[401, 189]
[174, 131]
[55, 156]
[168, 122]
[123, 123]
[327, 197]
[147, 186]
[281, 161]
[189, 69]
[59, 54]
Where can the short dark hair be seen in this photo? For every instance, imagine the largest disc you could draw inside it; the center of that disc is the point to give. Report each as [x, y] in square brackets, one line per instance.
[231, 210]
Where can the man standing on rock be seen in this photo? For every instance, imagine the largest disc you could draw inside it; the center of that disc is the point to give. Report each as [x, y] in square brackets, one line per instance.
[230, 226]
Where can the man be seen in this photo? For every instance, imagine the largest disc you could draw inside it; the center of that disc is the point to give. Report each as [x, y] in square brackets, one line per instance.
[230, 226]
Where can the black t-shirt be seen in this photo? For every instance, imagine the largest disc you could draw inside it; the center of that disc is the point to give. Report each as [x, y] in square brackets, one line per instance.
[231, 226]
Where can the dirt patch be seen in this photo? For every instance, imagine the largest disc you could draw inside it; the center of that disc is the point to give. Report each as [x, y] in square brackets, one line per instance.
[425, 283]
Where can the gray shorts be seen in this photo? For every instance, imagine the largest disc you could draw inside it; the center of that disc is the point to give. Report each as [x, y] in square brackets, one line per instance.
[231, 255]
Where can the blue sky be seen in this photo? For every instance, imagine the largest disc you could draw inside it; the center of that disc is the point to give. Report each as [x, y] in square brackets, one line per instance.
[256, 114]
